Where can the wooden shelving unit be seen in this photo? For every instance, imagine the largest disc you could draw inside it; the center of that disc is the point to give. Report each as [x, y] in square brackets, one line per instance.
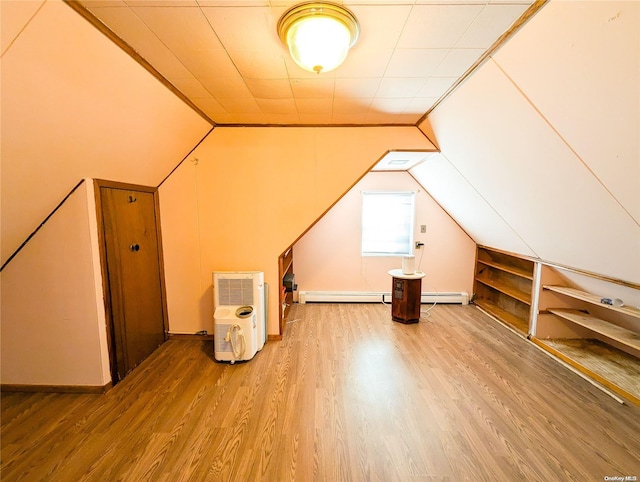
[503, 287]
[598, 339]
[542, 302]
[285, 268]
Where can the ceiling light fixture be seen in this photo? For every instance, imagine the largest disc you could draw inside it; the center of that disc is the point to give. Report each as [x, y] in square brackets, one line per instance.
[318, 34]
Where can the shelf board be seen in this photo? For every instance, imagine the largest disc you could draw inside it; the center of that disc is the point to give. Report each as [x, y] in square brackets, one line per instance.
[509, 269]
[609, 366]
[614, 332]
[507, 290]
[593, 299]
[509, 318]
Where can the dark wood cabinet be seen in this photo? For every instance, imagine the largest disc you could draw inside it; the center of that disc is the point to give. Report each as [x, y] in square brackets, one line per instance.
[405, 300]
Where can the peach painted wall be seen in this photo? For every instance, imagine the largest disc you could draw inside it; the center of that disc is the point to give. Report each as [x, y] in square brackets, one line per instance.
[74, 106]
[252, 193]
[53, 327]
[328, 256]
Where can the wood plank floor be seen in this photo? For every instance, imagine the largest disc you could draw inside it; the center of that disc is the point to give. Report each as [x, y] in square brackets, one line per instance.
[348, 395]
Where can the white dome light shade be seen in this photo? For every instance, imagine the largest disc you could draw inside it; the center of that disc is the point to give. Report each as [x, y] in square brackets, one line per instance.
[318, 35]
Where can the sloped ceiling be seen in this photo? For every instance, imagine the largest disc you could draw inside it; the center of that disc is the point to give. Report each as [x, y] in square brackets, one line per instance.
[73, 107]
[540, 147]
[226, 58]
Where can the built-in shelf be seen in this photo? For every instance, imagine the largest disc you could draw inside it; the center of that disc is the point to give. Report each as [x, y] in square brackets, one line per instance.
[597, 338]
[509, 269]
[614, 332]
[285, 267]
[512, 320]
[539, 301]
[503, 286]
[507, 290]
[593, 299]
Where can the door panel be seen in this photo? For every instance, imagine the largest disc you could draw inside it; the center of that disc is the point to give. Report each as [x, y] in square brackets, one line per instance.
[134, 275]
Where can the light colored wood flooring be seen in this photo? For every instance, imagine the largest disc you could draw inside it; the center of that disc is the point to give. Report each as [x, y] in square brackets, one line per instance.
[347, 395]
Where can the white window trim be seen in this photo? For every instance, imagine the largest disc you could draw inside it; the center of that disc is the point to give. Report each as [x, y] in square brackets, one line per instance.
[409, 242]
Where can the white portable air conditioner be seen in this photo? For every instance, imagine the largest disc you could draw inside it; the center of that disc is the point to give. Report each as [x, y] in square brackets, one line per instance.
[235, 335]
[243, 288]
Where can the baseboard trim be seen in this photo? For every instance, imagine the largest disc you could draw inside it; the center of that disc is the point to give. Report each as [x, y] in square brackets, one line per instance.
[189, 336]
[377, 297]
[95, 389]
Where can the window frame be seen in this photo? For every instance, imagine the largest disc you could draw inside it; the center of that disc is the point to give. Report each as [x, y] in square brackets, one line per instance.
[408, 246]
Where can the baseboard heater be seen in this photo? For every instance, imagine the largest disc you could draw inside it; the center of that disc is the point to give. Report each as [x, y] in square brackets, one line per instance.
[376, 297]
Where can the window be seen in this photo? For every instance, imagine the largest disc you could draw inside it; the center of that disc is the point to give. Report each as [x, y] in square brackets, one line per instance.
[387, 223]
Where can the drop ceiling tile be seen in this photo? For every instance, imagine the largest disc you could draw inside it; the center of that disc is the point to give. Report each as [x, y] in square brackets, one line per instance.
[437, 26]
[244, 57]
[243, 28]
[223, 117]
[436, 86]
[233, 3]
[490, 25]
[180, 29]
[240, 106]
[415, 62]
[520, 2]
[379, 2]
[315, 88]
[260, 64]
[270, 88]
[190, 87]
[242, 119]
[409, 119]
[285, 118]
[399, 88]
[296, 72]
[389, 106]
[380, 25]
[314, 106]
[457, 62]
[210, 107]
[100, 3]
[284, 4]
[134, 32]
[374, 117]
[356, 88]
[351, 106]
[364, 63]
[419, 105]
[210, 64]
[451, 2]
[276, 106]
[316, 118]
[349, 119]
[161, 3]
[227, 88]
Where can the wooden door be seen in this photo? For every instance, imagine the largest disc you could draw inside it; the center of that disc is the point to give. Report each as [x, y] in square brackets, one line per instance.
[132, 268]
